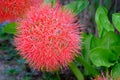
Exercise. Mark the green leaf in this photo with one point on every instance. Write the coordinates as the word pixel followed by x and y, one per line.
pixel 110 39
pixel 102 21
pixel 95 42
pixel 87 45
pixel 10 28
pixel 116 20
pixel 116 49
pixel 77 6
pixel 76 71
pixel 116 72
pixel 102 57
pixel 91 70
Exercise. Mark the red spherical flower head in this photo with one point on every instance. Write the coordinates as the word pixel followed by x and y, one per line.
pixel 48 38
pixel 13 9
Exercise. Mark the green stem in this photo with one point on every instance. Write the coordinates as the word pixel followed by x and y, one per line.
pixel 58 76
pixel 87 66
pixel 76 71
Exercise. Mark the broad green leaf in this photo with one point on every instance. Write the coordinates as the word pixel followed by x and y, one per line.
pixel 95 42
pixel 116 20
pixel 88 67
pixel 102 57
pixel 89 42
pixel 76 71
pixel 116 72
pixel 110 39
pixel 86 49
pixel 87 45
pixel 116 50
pixel 10 28
pixel 102 21
pixel 77 6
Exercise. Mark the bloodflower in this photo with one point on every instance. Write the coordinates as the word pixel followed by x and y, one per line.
pixel 48 38
pixel 14 9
